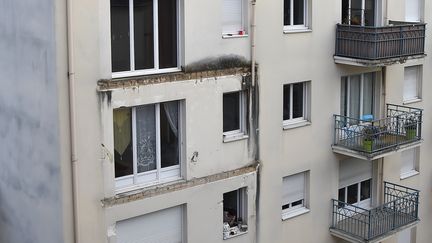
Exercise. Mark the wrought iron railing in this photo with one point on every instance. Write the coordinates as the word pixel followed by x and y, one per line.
pixel 398 40
pixel 400 208
pixel 402 125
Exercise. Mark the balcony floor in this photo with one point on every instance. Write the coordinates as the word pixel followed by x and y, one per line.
pixel 383 145
pixel 348 229
pixel 374 63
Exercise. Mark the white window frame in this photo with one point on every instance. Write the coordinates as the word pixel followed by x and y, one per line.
pixel 306 97
pixel 242 210
pixel 415 163
pixel 366 203
pixel 242 131
pixel 419 79
pixel 156 69
pixel 299 209
pixel 159 175
pixel 305 26
pixel 244 21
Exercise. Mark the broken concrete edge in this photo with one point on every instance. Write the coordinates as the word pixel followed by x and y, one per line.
pixel 105 85
pixel 175 186
pixel 376 63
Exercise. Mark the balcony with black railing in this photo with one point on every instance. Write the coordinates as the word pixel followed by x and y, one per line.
pixel 373 139
pixel 357 224
pixel 379 46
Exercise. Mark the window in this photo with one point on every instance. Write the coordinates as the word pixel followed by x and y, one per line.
pixel 409 165
pixel 144 36
pixel 407 235
pixel 234 213
pixel 360 95
pixel 412 83
pixel 413 10
pixel 234 17
pixel 295 103
pixel 355 182
pixel 165 226
pixel 294 195
pixel 147 142
pixel 358 12
pixel 295 14
pixel 234 114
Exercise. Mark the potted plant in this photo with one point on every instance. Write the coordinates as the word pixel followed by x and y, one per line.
pixel 369 134
pixel 410 125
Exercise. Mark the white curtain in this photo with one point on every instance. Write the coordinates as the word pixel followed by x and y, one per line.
pixel 171 111
pixel 146 138
pixel 368 94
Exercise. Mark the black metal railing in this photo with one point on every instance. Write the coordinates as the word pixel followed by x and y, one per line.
pixel 398 40
pixel 402 125
pixel 400 208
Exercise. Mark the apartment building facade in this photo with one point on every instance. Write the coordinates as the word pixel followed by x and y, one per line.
pixel 174 137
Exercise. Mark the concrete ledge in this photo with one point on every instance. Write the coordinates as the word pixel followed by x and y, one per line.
pixel 174 186
pixel 105 85
pixel 374 63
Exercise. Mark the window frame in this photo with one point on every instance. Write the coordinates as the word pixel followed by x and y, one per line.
pixel 303 207
pixel 305 118
pixel 366 203
pixel 418 82
pixel 155 70
pixel 159 175
pixel 244 21
pixel 376 13
pixel 242 210
pixel 291 27
pixel 242 131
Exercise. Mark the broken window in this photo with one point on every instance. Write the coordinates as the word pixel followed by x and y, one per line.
pixel 234 213
pixel 146 143
pixel 144 36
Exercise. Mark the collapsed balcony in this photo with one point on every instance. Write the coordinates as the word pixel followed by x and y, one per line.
pixel 357 224
pixel 379 46
pixel 373 139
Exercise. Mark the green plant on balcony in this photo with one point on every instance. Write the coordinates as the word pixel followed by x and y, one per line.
pixel 410 125
pixel 369 134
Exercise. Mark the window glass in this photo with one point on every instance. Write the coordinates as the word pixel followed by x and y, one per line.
pixel 299 12
pixel 368 94
pixel 146 138
pixel 287 12
pixel 167 33
pixel 286 102
pixel 143 33
pixel 352 196
pixel 231 111
pixel 169 133
pixel 369 13
pixel 341 194
pixel 123 142
pixel 354 105
pixel 120 42
pixel 297 100
pixel 365 191
pixel 235 212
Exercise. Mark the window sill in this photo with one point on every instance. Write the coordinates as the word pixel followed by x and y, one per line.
pixel 294 213
pixel 232 236
pixel 293 31
pixel 409 174
pixel 292 125
pixel 233 36
pixel 134 189
pixel 234 137
pixel 411 101
pixel 128 74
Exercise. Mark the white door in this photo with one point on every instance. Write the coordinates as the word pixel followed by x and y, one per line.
pixel 164 226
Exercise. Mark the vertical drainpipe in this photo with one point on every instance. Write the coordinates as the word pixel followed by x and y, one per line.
pixel 253 112
pixel 72 116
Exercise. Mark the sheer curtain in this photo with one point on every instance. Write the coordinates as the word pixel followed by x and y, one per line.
pixel 368 94
pixel 171 111
pixel 146 138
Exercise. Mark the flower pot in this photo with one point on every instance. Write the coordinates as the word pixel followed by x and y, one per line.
pixel 367 145
pixel 411 133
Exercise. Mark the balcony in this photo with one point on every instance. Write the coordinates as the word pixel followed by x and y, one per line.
pixel 373 139
pixel 379 46
pixel 356 224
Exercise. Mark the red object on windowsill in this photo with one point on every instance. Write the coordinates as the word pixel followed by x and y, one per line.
pixel 241 32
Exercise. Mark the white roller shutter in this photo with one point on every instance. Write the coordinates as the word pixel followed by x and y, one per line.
pixel 293 188
pixel 404 236
pixel 353 171
pixel 412 10
pixel 159 227
pixel 408 158
pixel 232 20
pixel 410 83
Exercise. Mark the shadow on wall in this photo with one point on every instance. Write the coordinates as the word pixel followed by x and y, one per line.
pixel 217 63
